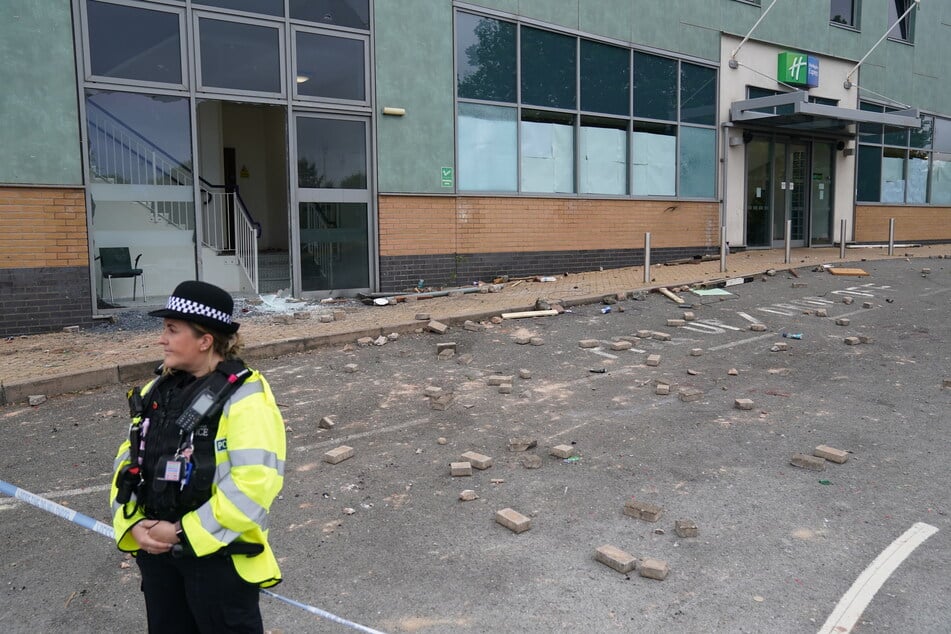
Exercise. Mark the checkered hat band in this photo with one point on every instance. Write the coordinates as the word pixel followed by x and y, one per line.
pixel 189 307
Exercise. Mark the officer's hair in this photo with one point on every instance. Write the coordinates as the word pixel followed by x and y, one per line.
pixel 228 346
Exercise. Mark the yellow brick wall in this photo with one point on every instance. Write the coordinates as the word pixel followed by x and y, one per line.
pixel 42 227
pixel 428 225
pixel 911 223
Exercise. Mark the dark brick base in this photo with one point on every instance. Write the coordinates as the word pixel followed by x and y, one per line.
pixel 403 272
pixel 40 300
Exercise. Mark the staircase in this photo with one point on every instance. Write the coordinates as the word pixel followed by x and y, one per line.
pixel 274 271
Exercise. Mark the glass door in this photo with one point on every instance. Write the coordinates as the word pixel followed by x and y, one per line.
pixel 823 155
pixel 777 190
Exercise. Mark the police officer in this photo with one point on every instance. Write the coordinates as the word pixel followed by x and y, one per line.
pixel 194 482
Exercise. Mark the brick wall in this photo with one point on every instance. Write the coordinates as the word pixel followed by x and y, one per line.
pixel 455 240
pixel 918 224
pixel 44 260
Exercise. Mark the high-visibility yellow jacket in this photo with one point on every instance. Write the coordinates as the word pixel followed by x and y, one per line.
pixel 250 449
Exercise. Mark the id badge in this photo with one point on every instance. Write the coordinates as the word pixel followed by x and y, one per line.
pixel 170 469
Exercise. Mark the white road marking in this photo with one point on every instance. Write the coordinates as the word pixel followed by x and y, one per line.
pixel 374 432
pixel 850 607
pixel 749 318
pixel 930 293
pixel 57 495
pixel 742 341
pixel 603 354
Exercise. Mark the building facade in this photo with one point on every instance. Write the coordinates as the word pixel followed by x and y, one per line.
pixel 335 146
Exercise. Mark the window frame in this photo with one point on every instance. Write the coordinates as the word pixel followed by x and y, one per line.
pixel 856 24
pixel 910 21
pixel 203 91
pixel 178 10
pixel 293 71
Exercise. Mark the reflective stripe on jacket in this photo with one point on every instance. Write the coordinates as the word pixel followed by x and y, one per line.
pixel 250 449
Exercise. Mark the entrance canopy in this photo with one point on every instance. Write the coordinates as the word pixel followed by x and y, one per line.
pixel 793 112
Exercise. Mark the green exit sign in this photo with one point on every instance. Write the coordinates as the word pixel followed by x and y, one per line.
pixel 446 176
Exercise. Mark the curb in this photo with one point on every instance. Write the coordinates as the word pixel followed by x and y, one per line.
pixel 19 392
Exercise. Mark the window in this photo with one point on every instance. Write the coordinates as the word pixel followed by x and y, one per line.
pixel 354 14
pixel 222 43
pixel 544 112
pixel 330 67
pixel 844 12
pixel 134 44
pixel 905 29
pixel 331 153
pixel 266 7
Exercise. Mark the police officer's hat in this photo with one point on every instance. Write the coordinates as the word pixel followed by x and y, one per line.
pixel 201 303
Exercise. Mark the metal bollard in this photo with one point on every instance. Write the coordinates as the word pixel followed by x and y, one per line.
pixel 788 237
pixel 723 249
pixel 842 239
pixel 647 257
pixel 891 236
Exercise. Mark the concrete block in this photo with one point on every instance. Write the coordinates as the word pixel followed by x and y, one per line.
pixel 743 403
pixel 653 360
pixel 423 317
pixel 696 352
pixel 690 394
pixel 445 345
pixel 327 422
pixel 643 510
pixel 478 460
pixel 505 388
pixel 813 463
pixel 437 327
pixel 847 300
pixel 522 444
pixel 589 343
pixel 513 520
pixel 832 455
pixel 689 315
pixel 341 453
pixel 653 569
pixel 644 334
pixel 842 321
pixel 758 327
pixel 676 323
pixel 468 495
pixel 660 336
pixel 537 341
pixel 686 528
pixel 441 402
pixel 460 469
pixel 615 558
pixel 662 389
pixel 852 341
pixel 621 345
pixel 562 451
pixel 350 368
pixel 499 379
pixel 524 374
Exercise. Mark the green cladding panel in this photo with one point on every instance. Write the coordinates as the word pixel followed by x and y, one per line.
pixel 414 71
pixel 39 117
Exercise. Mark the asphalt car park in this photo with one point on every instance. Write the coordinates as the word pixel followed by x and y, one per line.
pixel 383 539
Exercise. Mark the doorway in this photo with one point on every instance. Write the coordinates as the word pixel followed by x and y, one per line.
pixel 792 180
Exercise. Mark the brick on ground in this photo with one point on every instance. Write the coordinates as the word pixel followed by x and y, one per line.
pixel 473 326
pixel 350 368
pixel 843 321
pixel 831 454
pixel 445 345
pixel 524 374
pixel 522 340
pixel 464 359
pixel 460 469
pixel 522 443
pixel 621 345
pixel 616 558
pixel 437 327
pixel 589 343
pixel 498 379
pixel 653 360
pixel 339 454
pixel 468 495
pixel 562 451
pixel 676 323
pixel 686 528
pixel 696 352
pixel 661 336
pixel 505 388
pixel 446 354
pixel 513 520
pixel 758 327
pixel 813 463
pixel 643 510
pixel 689 315
pixel 690 394
pixel 477 460
pixel 653 569
pixel 743 403
pixel 644 334
pixel 662 389
pixel 433 391
pixel 327 422
pixel 423 317
pixel 441 402
pixel 852 341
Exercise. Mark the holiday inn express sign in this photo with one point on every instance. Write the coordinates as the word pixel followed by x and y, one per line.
pixel 798 69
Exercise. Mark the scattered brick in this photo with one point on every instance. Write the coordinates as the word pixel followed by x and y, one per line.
pixel 441 402
pixel 447 345
pixel 441 441
pixel 562 451
pixel 589 343
pixel 946 383
pixel 522 444
pixel 676 323
pixel 531 461
pixel 743 403
pixel 478 460
pixel 644 334
pixel 615 558
pixel 654 568
pixel 505 388
pixel 522 340
pixel 70 328
pixel 780 346
pixel 423 317
pixel 689 315
pixel 842 321
pixel 609 299
pixel 380 341
pixel 643 510
pixel 437 327
pixel 301 314
pixel 653 360
pixel 350 368
pixel 867 304
pixel 621 345
pixel 832 455
pixel 660 336
pixel 865 339
pixel 473 326
pixel 326 318
pixel 733 372
pixel 36 399
pixel 690 394
pixel 468 495
pixel 327 422
pixel 758 327
pixel 847 300
pixel 803 461
pixel 460 469
pixel 537 341
pixel 822 312
pixel 364 341
pixel 662 389
pixel 513 520
pixel 464 359
pixel 339 454
pixel 692 372
pixel 496 320
pixel 499 379
pixel 686 528
pixel 432 391
pixel 852 341
pixel 696 352
pixel 524 374
pixel 446 354
pixel 799 285
pixel 339 315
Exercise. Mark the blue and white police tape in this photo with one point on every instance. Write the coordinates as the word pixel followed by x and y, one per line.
pixel 105 530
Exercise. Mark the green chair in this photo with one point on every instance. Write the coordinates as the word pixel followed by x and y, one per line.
pixel 115 262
